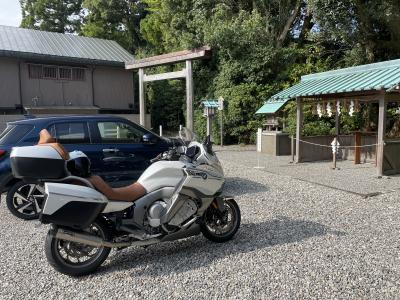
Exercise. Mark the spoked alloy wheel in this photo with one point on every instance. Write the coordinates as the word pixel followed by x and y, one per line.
pixel 221 226
pixel 25 200
pixel 76 259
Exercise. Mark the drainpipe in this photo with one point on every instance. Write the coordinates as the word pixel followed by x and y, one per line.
pixel 93 98
pixel 20 87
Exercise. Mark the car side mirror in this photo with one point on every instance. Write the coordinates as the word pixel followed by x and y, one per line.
pixel 148 138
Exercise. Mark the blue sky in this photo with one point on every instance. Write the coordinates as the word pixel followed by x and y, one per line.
pixel 10 12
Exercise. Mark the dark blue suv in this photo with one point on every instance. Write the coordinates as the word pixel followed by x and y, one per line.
pixel 119 151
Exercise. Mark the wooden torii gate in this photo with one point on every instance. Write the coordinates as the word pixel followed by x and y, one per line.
pixel 170 58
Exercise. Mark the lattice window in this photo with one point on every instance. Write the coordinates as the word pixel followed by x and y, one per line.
pixel 35 71
pixel 78 74
pixel 65 73
pixel 50 72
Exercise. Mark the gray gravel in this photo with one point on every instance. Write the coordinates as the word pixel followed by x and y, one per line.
pixel 359 179
pixel 297 240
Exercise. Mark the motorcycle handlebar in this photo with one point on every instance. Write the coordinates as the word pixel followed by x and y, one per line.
pixel 167 155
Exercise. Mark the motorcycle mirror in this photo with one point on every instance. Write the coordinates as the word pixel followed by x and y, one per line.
pixel 191 151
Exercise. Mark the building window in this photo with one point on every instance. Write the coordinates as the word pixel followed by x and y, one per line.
pixel 65 73
pixel 78 74
pixel 35 71
pixel 49 72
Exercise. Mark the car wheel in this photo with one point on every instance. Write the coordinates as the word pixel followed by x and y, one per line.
pixel 25 200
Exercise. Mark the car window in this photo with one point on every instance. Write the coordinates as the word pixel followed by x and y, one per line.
pixel 119 132
pixel 70 133
pixel 14 133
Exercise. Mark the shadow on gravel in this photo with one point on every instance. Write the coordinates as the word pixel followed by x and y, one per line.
pixel 238 186
pixel 197 252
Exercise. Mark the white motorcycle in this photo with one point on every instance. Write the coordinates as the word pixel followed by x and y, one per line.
pixel 182 197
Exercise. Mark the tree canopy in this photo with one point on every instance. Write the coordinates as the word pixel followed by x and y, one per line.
pixel 259 47
pixel 52 15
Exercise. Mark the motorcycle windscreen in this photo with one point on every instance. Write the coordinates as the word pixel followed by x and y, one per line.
pixel 71 205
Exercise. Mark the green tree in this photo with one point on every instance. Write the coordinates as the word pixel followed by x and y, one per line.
pixel 115 20
pixel 359 31
pixel 250 60
pixel 52 15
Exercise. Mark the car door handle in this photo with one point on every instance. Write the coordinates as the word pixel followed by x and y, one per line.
pixel 112 150
pixel 114 159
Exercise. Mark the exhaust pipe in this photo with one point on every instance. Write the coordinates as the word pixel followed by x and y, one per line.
pixel 183 233
pixel 96 241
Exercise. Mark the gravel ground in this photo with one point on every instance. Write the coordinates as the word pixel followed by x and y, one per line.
pixel 359 179
pixel 297 240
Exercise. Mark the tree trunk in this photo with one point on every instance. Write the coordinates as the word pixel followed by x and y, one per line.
pixel 282 37
pixel 366 30
pixel 307 25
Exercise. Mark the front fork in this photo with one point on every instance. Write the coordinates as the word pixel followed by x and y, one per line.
pixel 218 203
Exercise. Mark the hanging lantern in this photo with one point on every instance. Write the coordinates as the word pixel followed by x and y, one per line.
pixel 338 108
pixel 329 109
pixel 351 108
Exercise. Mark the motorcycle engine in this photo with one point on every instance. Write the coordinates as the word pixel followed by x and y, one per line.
pixel 155 212
pixel 187 210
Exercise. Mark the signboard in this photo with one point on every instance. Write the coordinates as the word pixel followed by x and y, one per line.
pixel 220 103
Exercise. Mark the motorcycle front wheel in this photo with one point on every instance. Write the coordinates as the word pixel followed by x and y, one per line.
pixel 76 259
pixel 220 226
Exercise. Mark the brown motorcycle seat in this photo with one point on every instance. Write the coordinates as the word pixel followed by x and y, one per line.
pixel 45 139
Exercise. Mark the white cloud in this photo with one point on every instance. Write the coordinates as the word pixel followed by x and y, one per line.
pixel 10 12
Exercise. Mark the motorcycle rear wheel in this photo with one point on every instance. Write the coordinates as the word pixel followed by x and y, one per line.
pixel 66 257
pixel 221 227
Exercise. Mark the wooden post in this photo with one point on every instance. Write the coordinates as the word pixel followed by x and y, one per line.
pixel 337 132
pixel 189 95
pixel 357 150
pixel 292 148
pixel 337 125
pixel 222 128
pixel 381 133
pixel 142 105
pixel 299 128
pixel 209 129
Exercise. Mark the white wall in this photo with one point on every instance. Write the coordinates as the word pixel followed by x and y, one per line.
pixel 51 92
pixel 9 83
pixel 113 88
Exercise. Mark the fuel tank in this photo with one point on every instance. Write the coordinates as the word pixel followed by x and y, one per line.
pixel 162 174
